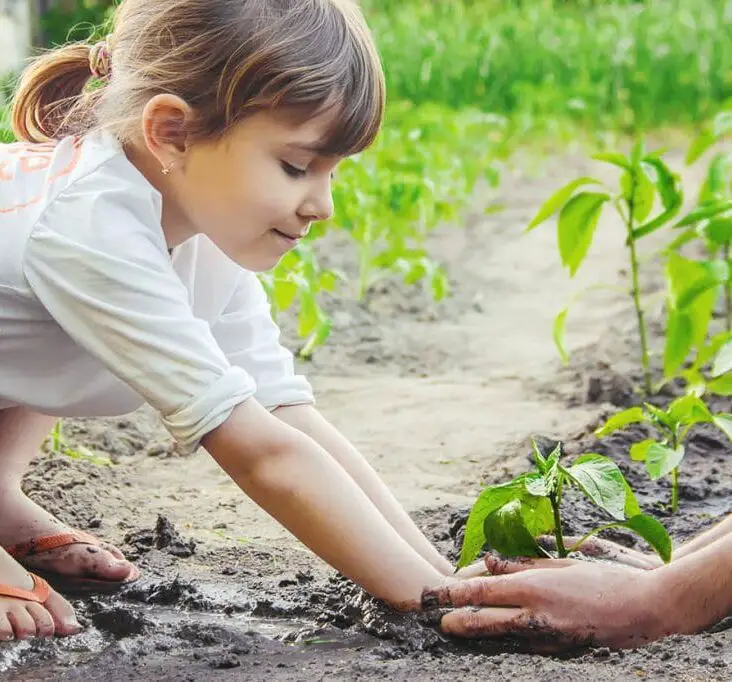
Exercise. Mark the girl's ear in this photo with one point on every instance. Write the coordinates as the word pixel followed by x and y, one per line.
pixel 164 128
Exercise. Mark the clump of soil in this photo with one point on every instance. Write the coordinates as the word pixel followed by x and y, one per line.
pixel 164 537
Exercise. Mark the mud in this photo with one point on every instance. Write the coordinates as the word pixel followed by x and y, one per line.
pixel 226 594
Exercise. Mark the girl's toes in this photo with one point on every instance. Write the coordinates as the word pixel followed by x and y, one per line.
pixel 44 622
pixel 63 616
pixel 24 627
pixel 6 629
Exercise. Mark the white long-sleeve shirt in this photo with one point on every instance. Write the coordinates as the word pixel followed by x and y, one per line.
pixel 97 317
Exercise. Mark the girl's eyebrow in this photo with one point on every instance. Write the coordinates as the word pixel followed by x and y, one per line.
pixel 315 147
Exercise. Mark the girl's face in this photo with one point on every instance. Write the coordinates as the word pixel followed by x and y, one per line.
pixel 255 193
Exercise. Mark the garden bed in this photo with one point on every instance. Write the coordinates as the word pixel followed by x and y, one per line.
pixel 226 594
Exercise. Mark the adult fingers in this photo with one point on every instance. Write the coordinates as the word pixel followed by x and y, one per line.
pixel 486 622
pixel 488 591
pixel 502 566
pixel 535 631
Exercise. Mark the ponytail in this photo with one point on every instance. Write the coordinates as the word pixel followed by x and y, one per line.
pixel 50 101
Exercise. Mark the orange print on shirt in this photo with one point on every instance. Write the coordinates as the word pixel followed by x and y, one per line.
pixel 33 159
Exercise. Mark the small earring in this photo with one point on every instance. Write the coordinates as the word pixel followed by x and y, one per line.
pixel 166 171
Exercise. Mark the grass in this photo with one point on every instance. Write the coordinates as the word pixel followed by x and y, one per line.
pixel 616 65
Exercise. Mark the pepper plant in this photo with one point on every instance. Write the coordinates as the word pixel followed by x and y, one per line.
pixel 645 181
pixel 664 454
pixel 510 517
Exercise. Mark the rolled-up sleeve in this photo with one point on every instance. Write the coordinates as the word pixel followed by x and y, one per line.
pixel 250 338
pixel 97 261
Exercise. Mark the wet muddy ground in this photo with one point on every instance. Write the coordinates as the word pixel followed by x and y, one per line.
pixel 226 594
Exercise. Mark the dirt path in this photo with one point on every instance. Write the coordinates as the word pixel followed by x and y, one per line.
pixel 441 398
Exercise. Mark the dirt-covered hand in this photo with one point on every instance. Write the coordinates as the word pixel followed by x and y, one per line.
pixel 599 548
pixel 553 604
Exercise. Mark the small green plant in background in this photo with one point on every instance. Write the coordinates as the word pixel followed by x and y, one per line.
pixel 645 181
pixel 60 446
pixel 510 517
pixel 664 455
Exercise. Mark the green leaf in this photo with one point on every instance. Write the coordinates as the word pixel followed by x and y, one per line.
pixel 633 415
pixel 602 481
pixel 558 199
pixel 723 421
pixel 723 360
pixel 537 514
pixel 683 275
pixel 539 458
pixel 653 532
pixel 488 501
pixel 506 532
pixel 558 335
pixel 661 459
pixel 699 146
pixel 721 385
pixel 679 338
pixel 704 212
pixel 688 409
pixel 719 231
pixel 639 451
pixel 658 416
pixel 440 284
pixel 577 222
pixel 667 182
pixel 631 503
pixel 614 158
pixel 643 193
pixel 536 485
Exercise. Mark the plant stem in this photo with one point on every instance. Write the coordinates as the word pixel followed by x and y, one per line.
pixel 635 291
pixel 727 294
pixel 675 489
pixel 674 478
pixel 556 500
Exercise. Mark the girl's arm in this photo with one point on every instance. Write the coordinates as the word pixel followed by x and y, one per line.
pixel 308 420
pixel 297 482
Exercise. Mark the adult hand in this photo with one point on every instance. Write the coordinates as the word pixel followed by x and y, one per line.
pixel 554 604
pixel 594 547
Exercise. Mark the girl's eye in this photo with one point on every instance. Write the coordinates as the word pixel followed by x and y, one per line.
pixel 293 171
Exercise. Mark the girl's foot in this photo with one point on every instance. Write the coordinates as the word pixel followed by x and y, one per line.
pixel 22 520
pixel 22 618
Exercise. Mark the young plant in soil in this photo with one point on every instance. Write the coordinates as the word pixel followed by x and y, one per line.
pixel 510 517
pixel 644 178
pixel 664 455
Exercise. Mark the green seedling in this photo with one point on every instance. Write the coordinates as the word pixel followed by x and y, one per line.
pixel 711 220
pixel 510 517
pixel 644 181
pixel 664 455
pixel 60 446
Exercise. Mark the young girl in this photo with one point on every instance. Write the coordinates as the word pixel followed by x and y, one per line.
pixel 133 216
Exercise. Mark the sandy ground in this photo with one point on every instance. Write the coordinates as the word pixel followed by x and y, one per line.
pixel 442 399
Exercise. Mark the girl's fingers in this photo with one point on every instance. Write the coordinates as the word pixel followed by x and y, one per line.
pixel 473 571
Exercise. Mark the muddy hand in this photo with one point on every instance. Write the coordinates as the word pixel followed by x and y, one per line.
pixel 551 604
pixel 599 548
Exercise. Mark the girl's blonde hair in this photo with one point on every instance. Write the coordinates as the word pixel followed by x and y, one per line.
pixel 226 58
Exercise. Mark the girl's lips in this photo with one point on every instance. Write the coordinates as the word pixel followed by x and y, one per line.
pixel 286 237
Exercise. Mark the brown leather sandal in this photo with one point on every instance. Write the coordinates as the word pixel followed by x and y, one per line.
pixel 67 584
